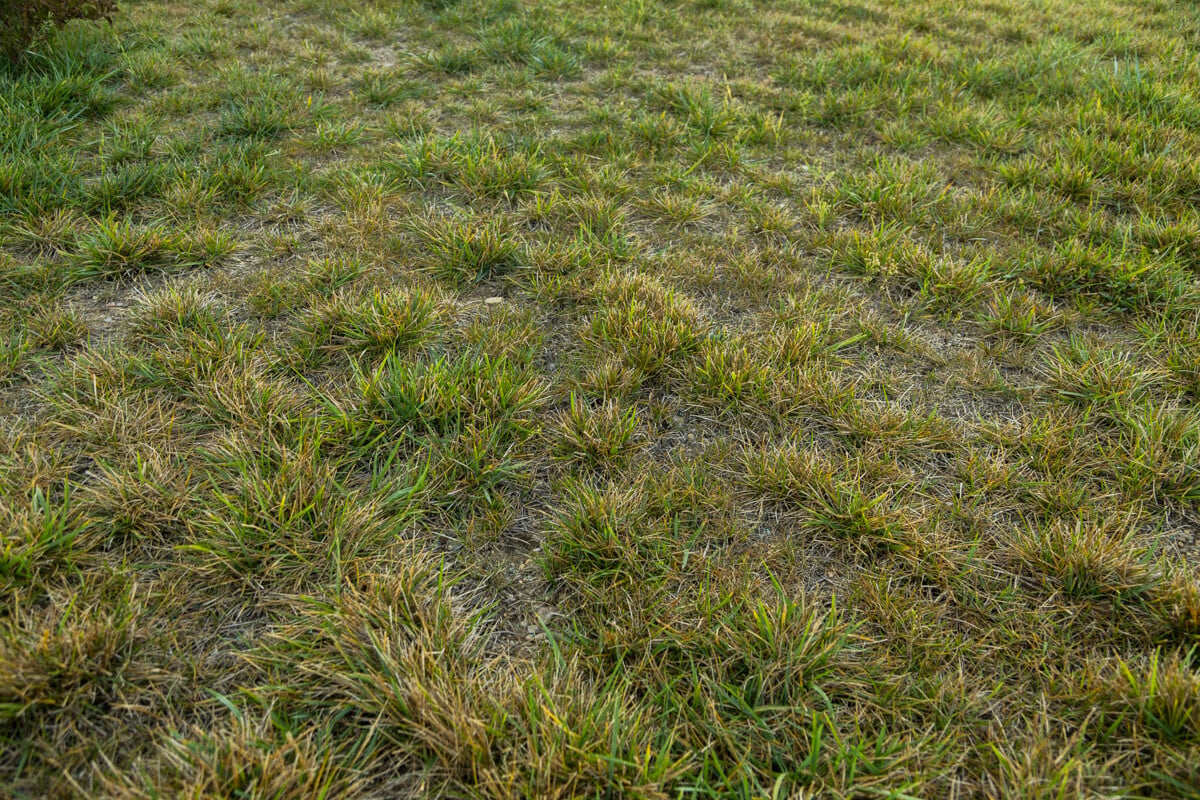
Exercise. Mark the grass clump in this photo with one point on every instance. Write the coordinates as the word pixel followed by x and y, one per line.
pixel 478 165
pixel 599 436
pixel 830 497
pixel 282 519
pixel 373 326
pixel 469 251
pixel 121 249
pixel 646 324
pixel 443 395
pixel 43 534
pixel 1086 559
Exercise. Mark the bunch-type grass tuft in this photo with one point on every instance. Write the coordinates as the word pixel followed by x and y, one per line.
pixel 471 250
pixel 121 249
pixel 443 395
pixel 830 495
pixel 1085 559
pixel 371 326
pixel 598 436
pixel 648 325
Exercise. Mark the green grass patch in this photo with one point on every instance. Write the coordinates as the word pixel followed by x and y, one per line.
pixel 656 400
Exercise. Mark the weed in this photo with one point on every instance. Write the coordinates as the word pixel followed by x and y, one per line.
pixel 255 109
pixel 648 325
pixel 1020 315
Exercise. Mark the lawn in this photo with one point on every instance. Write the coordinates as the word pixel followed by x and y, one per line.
pixel 659 398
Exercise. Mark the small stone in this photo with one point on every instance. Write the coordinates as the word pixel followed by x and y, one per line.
pixel 494 301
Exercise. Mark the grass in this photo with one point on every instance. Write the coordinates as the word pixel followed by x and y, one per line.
pixel 474 398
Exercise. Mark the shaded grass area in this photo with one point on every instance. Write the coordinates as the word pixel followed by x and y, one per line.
pixel 659 399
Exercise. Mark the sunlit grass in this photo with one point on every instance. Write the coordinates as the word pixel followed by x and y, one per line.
pixel 656 399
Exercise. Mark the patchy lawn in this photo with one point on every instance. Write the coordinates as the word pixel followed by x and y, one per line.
pixel 704 398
